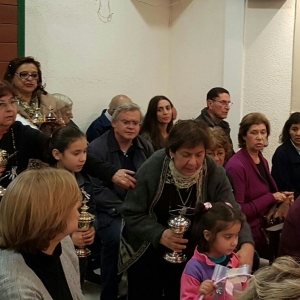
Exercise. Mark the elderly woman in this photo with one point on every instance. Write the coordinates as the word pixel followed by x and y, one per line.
pixel 22 143
pixel 37 256
pixel 286 159
pixel 158 121
pixel 66 111
pixel 255 188
pixel 26 76
pixel 220 148
pixel 170 182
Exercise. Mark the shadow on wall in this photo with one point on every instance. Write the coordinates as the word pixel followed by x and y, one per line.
pixel 181 7
pixel 147 8
pixel 269 4
pixel 262 14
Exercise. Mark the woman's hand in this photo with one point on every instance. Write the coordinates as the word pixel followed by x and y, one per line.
pixel 88 236
pixel 207 287
pixel 289 196
pixel 173 240
pixel 122 178
pixel 78 239
pixel 279 197
pixel 245 254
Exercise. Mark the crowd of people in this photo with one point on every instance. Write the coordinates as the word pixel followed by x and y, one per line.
pixel 141 175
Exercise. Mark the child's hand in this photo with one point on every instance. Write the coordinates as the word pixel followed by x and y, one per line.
pixel 88 236
pixel 207 287
pixel 78 239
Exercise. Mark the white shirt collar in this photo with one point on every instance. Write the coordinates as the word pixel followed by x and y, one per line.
pixel 298 150
pixel 107 115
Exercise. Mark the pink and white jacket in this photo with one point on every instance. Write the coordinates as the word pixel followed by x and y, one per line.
pixel 198 269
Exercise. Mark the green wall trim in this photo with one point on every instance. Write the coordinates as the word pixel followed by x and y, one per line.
pixel 21 28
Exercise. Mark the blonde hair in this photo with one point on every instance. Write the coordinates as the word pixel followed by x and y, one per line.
pixel 279 281
pixel 35 209
pixel 219 139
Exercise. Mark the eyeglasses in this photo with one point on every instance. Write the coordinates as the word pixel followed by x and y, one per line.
pixel 26 75
pixel 14 103
pixel 223 102
pixel 215 153
pixel 133 123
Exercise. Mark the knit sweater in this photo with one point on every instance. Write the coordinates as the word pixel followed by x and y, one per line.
pixel 142 228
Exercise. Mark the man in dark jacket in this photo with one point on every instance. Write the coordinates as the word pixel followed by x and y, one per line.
pixel 103 123
pixel 120 146
pixel 218 106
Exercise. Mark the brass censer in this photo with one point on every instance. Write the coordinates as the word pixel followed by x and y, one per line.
pixel 85 223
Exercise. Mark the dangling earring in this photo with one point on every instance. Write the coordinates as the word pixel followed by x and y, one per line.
pixel 172 157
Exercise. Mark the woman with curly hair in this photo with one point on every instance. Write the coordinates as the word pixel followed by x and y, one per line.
pixel 26 76
pixel 279 281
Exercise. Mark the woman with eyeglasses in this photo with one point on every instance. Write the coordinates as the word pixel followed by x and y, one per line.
pixel 26 76
pixel 255 188
pixel 170 183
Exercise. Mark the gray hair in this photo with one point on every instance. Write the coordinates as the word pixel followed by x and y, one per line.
pixel 279 281
pixel 64 99
pixel 126 107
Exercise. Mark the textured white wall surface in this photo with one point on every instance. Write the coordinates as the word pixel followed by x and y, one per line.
pixel 197 50
pixel 178 51
pixel 269 29
pixel 91 61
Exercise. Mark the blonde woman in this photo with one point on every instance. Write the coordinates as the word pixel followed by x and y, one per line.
pixel 37 258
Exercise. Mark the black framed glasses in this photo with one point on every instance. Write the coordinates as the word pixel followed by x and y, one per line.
pixel 14 103
pixel 26 75
pixel 223 102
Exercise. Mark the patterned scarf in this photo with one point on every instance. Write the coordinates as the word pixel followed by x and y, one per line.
pixel 184 182
pixel 29 108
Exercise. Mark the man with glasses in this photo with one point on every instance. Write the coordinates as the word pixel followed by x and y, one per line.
pixel 121 146
pixel 218 106
pixel 103 123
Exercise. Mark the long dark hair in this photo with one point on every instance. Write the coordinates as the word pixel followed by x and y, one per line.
pixel 61 140
pixel 214 219
pixel 13 66
pixel 150 123
pixel 293 119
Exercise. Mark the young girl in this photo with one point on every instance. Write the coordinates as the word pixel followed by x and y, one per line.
pixel 215 230
pixel 68 151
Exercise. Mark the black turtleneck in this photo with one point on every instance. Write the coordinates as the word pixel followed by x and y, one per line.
pixel 50 271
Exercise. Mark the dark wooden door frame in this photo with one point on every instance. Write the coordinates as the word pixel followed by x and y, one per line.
pixel 21 28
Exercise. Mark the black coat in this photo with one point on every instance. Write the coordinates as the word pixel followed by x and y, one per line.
pixel 286 168
pixel 32 143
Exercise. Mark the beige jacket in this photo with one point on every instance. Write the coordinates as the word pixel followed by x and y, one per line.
pixel 45 102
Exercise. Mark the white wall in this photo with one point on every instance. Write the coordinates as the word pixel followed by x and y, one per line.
pixel 91 61
pixel 181 51
pixel 269 29
pixel 197 50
